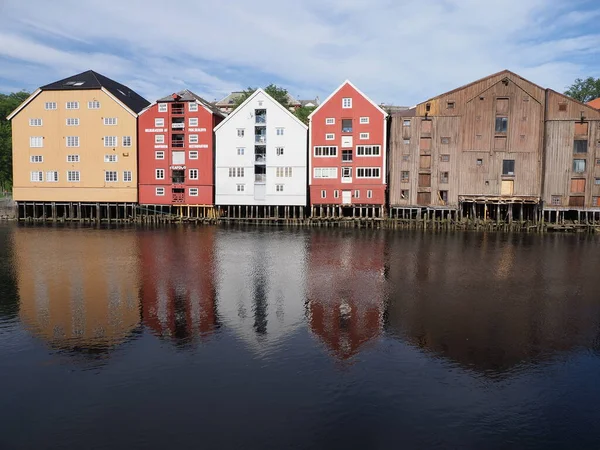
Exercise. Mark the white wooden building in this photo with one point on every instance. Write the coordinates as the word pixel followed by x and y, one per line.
pixel 261 158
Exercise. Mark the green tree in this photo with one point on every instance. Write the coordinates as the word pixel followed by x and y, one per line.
pixel 8 103
pixel 584 90
pixel 278 93
pixel 303 112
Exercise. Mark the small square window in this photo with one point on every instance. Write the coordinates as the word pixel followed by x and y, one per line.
pixel 160 174
pixel 240 187
pixel 159 122
pixel 445 158
pixel 279 187
pixel 162 107
pixel 562 106
pixel 193 191
pixel 329 136
pixel 406 123
pixel 35 122
pixel 193 154
pixel 159 155
pixel 346 125
pixel 346 103
pixel 556 200
pixel 193 138
pixel 364 120
pixel 193 174
pixel 404 194
pixel 479 162
pixel 508 167
pixel 160 191
pixel 193 121
pixel 111 176
pixel 364 136
pixel 159 138
pixel 450 105
pixel 193 106
pixel 501 124
pixel 445 140
pixel 279 131
pixel 110 121
pixel 279 151
pixel 240 132
pixel 240 151
pixel 126 141
pixel 330 121
pixel 50 106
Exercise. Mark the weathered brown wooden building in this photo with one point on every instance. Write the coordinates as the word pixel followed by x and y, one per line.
pixel 476 149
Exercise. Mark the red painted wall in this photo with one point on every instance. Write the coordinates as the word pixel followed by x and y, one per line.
pixel 332 108
pixel 148 162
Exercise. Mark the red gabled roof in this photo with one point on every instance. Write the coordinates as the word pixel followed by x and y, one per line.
pixel 594 103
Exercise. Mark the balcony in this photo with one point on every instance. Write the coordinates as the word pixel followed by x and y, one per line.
pixel 261 116
pixel 178 124
pixel 260 178
pixel 260 139
pixel 177 109
pixel 178 195
pixel 260 154
pixel 178 141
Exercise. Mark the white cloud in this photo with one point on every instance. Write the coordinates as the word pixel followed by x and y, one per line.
pixel 401 52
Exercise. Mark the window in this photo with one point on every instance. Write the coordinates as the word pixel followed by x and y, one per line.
pixel 501 124
pixel 160 191
pixel 72 141
pixel 240 132
pixel 329 137
pixel 450 105
pixel 110 141
pixel 479 162
pixel 405 157
pixel 508 167
pixel 159 138
pixel 346 103
pixel 110 121
pixel 347 155
pixel 73 176
pixel 236 172
pixel 111 176
pixel 240 151
pixel 325 151
pixel 406 141
pixel 193 138
pixel 364 136
pixel 367 172
pixel 193 106
pixel 193 121
pixel 443 195
pixel 193 191
pixel 240 187
pixel 94 104
pixel 283 172
pixel 72 122
pixel 562 107
pixel 279 151
pixel 279 131
pixel 404 194
pixel 160 174
pixel 369 193
pixel 72 105
pixel 127 176
pixel 346 172
pixel 445 140
pixel 110 158
pixel 279 187
pixel 52 176
pixel 444 176
pixel 336 194
pixel 580 146
pixel 72 158
pixel 445 158
pixel 346 125
pixel 159 122
pixel 36 142
pixel 364 120
pixel 193 154
pixel 159 155
pixel 579 165
pixel 37 176
pixel 193 174
pixel 50 106
pixel 357 194
pixel 555 200
pixel 404 176
pixel 368 150
pixel 323 194
pixel 35 122
pixel 597 181
pixel 598 162
pixel 162 107
pixel 126 141
pixel 36 159
pixel 330 121
pixel 325 172
pixel 406 123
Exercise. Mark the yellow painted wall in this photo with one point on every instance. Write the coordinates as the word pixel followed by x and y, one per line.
pixel 91 150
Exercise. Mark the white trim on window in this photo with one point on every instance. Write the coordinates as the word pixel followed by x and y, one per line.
pixel 363 136
pixel 160 154
pixel 368 172
pixel 73 176
pixel 110 121
pixel 52 176
pixel 159 174
pixel 159 122
pixel 72 121
pixel 111 176
pixel 193 138
pixel 330 121
pixel 95 104
pixel 159 138
pixel 36 176
pixel 193 154
pixel 159 191
pixel 36 159
pixel 193 121
pixel 50 106
pixel 364 120
pixel 72 141
pixel 193 107
pixel 346 102
pixel 330 136
pixel 111 158
pixel 73 158
pixel 126 141
pixel 368 150
pixel 72 105
pixel 36 142
pixel 110 141
pixel 325 172
pixel 163 108
pixel 193 174
pixel 193 192
pixel 35 122
pixel 325 151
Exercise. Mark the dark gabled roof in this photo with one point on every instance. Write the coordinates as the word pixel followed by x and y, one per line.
pixel 188 96
pixel 93 80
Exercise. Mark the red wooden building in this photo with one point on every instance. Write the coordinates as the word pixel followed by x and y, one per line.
pixel 347 164
pixel 176 152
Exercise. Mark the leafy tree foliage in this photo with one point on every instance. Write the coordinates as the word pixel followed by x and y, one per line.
pixel 8 103
pixel 584 90
pixel 303 112
pixel 278 93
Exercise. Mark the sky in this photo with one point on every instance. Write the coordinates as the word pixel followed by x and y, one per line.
pixel 399 52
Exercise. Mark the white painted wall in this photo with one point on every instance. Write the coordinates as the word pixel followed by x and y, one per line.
pixel 294 142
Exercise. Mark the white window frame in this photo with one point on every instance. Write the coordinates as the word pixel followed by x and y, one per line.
pixel 240 187
pixel 35 122
pixel 356 193
pixel 347 103
pixel 330 121
pixel 368 151
pixel 108 174
pixel 193 174
pixel 363 136
pixel 159 174
pixel 36 159
pixel 94 104
pixel 36 176
pixel 279 151
pixel 127 176
pixel 332 151
pixel 110 139
pixel 52 176
pixel 111 158
pixel 163 108
pixel 192 107
pixel 364 120
pixel 236 172
pixel 241 151
pixel 279 131
pixel 369 193
pixel 279 188
pixel 193 122
pixel 74 158
pixel 36 142
pixel 50 106
pixel 330 137
pixel 159 138
pixel 329 172
pixel 336 193
pixel 159 154
pixel 73 176
pixel 110 121
pixel 72 121
pixel 126 141
pixel 193 138
pixel 72 105
pixel 159 122
pixel 241 132
pixel 159 192
pixel 364 172
pixel 193 192
pixel 193 154
pixel 72 141
pixel 323 193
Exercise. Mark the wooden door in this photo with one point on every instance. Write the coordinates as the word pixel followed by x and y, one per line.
pixel 507 188
pixel 346 197
pixel 424 180
pixel 577 201
pixel 578 185
pixel 425 162
pixel 423 198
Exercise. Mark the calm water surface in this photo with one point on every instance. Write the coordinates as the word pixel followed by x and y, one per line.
pixel 207 337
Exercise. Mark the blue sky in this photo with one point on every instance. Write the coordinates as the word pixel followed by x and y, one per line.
pixel 396 51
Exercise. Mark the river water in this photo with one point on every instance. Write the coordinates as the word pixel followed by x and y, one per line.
pixel 206 337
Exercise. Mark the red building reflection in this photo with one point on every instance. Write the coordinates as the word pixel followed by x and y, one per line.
pixel 178 288
pixel 346 289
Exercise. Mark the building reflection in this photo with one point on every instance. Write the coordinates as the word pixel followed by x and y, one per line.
pixel 346 289
pixel 78 288
pixel 491 303
pixel 261 285
pixel 9 298
pixel 178 287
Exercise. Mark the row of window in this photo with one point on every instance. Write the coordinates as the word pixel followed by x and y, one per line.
pixel 332 172
pixel 70 158
pixel 331 121
pixel 160 139
pixel 361 150
pixel 159 122
pixel 279 131
pixel 160 154
pixel 50 106
pixel 280 172
pixel 163 107
pixel 73 141
pixel 336 193
pixel 73 176
pixel 331 136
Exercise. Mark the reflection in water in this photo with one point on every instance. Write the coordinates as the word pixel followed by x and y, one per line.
pixel 9 299
pixel 492 302
pixel 346 289
pixel 77 288
pixel 178 292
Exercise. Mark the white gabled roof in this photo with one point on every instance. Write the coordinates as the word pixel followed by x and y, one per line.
pixel 357 90
pixel 254 94
pixel 24 104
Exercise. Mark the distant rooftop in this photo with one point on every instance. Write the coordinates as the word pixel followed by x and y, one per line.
pixel 595 103
pixel 188 96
